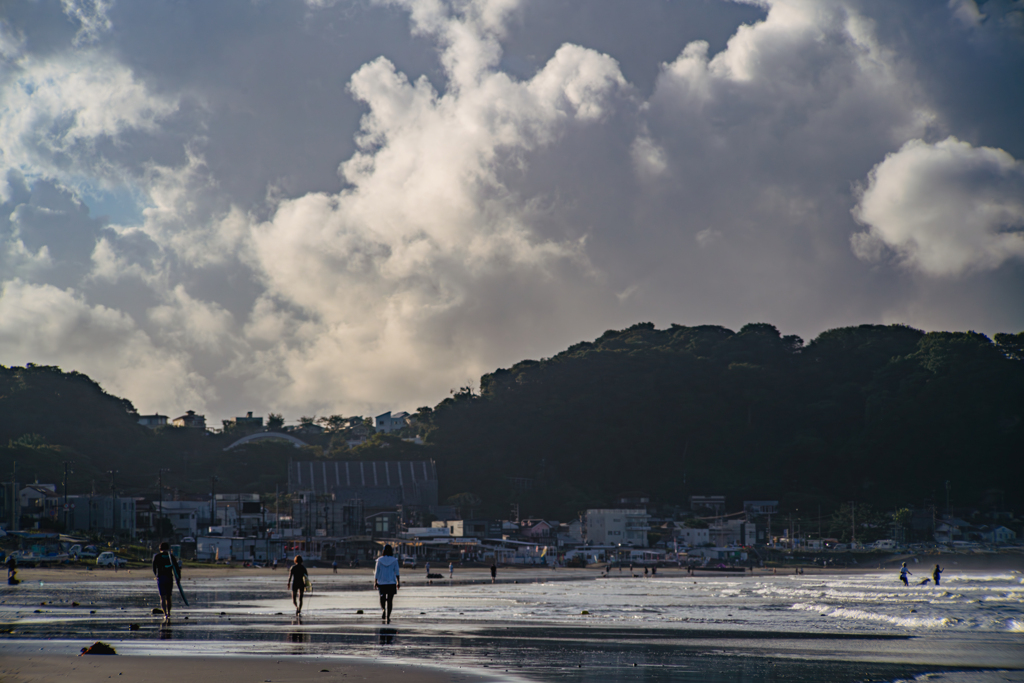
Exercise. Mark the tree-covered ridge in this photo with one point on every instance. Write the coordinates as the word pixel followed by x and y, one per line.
pixel 880 415
pixel 884 414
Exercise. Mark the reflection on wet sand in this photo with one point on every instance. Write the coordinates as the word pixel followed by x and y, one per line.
pixel 386 636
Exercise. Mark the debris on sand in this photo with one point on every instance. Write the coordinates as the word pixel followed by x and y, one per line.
pixel 98 648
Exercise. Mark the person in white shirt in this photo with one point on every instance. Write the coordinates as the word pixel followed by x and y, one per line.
pixel 386 581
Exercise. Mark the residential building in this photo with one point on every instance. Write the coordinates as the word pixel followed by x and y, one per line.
pixel 40 502
pixel 469 528
pixel 247 422
pixel 102 514
pixel 712 505
pixel 191 420
pixel 613 527
pixel 998 535
pixel 387 423
pixel 733 532
pixel 153 421
pixel 531 529
pixel 691 537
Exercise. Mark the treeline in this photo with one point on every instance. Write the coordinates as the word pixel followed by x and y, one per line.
pixel 880 415
pixel 884 415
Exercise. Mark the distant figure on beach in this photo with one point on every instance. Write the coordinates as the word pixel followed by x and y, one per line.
pixel 654 572
pixel 631 569
pixel 274 566
pixel 12 566
pixel 334 565
pixel 297 577
pixel 936 573
pixel 645 572
pixel 904 573
pixel 451 570
pixel 386 581
pixel 494 571
pixel 164 566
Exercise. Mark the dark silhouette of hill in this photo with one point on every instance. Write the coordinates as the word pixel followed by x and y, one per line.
pixel 883 415
pixel 876 414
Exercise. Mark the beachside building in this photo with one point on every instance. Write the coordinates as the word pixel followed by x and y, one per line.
pixel 614 527
pixel 40 502
pixel 690 537
pixel 102 514
pixel 998 535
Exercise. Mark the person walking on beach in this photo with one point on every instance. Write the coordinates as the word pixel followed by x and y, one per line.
pixel 386 581
pixel 165 565
pixel 12 569
pixel 494 570
pixel 936 573
pixel 297 577
pixel 334 565
pixel 904 573
pixel 451 570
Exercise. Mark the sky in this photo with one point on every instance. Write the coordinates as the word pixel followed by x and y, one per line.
pixel 354 206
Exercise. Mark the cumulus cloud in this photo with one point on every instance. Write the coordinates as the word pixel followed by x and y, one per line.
pixel 403 194
pixel 944 208
pixel 49 326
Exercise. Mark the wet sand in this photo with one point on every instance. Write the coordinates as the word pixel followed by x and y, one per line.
pixel 23 668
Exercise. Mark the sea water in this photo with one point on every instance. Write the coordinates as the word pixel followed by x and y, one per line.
pixel 849 626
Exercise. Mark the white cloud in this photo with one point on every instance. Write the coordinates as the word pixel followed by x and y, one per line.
pixel 54 110
pixel 49 326
pixel 944 209
pixel 92 17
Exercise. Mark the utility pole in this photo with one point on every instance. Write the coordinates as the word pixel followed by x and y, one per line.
pixel 160 485
pixel 15 503
pixel 947 499
pixel 213 501
pixel 853 525
pixel 113 502
pixel 66 463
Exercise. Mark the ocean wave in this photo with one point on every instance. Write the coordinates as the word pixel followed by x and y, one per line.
pixel 862 615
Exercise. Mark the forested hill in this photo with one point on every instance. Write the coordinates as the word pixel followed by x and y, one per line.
pixel 876 414
pixel 884 415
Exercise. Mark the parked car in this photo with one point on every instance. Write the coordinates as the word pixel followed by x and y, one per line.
pixel 109 559
pixel 89 552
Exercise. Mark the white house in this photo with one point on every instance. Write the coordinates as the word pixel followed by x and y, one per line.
pixel 998 535
pixel 387 423
pixel 614 527
pixel 40 501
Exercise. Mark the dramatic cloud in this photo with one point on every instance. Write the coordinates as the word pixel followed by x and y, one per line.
pixel 944 208
pixel 357 205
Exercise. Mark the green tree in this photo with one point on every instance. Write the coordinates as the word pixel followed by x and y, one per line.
pixel 275 422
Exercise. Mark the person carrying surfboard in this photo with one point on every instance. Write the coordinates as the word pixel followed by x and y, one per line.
pixel 167 570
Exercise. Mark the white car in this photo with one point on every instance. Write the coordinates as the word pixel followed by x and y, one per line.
pixel 109 559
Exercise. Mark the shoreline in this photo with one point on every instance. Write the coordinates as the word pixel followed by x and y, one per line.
pixel 506 575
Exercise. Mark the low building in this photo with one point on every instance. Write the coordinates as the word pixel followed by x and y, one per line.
pixel 998 535
pixel 153 421
pixel 469 528
pixel 387 423
pixel 614 527
pixel 102 514
pixel 193 421
pixel 691 537
pixel 40 502
pixel 247 422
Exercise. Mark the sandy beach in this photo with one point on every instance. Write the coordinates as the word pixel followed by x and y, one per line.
pixel 24 668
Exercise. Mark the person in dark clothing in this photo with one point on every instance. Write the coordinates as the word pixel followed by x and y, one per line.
pixel 164 566
pixel 12 569
pixel 297 578
pixel 494 571
pixel 936 573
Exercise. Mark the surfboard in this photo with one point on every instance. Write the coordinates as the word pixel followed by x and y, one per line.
pixel 177 581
